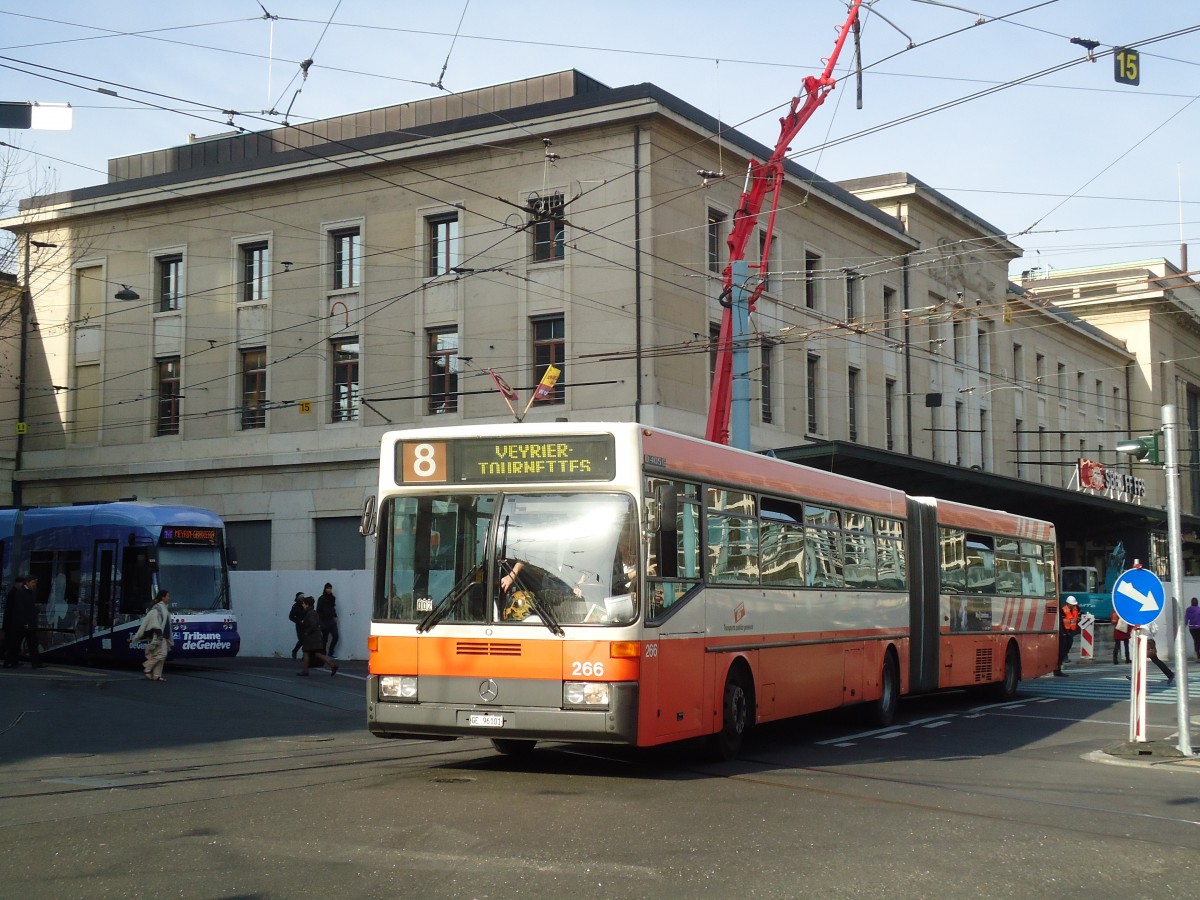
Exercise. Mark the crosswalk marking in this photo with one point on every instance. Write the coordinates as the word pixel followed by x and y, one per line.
pixel 1105 687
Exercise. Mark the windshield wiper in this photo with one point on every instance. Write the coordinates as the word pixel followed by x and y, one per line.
pixel 447 603
pixel 548 618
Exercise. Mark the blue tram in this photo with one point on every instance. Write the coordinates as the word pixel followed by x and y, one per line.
pixel 98 566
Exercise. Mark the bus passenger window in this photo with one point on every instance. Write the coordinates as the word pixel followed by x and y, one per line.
pixel 981 565
pixel 954 560
pixel 859 543
pixel 890 553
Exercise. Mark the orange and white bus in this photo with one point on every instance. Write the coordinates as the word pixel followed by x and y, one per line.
pixel 619 583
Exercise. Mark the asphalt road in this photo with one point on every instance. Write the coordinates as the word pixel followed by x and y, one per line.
pixel 237 780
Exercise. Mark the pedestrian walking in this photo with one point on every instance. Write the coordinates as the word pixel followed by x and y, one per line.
pixel 1068 627
pixel 20 624
pixel 1191 618
pixel 1121 631
pixel 156 631
pixel 1152 653
pixel 328 617
pixel 296 617
pixel 312 640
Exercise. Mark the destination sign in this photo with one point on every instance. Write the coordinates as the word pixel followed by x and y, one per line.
pixel 187 534
pixel 505 460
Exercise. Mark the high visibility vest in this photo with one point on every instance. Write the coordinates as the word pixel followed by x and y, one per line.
pixel 1071 618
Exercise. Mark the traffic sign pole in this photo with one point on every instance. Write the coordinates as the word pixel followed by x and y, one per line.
pixel 1137 690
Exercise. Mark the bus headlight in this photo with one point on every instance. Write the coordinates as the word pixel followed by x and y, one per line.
pixel 586 694
pixel 398 687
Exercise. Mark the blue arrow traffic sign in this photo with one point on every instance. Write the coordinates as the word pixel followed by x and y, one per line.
pixel 1138 596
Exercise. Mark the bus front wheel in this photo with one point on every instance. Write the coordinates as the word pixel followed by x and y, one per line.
pixel 735 718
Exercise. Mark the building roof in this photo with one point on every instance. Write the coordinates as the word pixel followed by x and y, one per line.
pixel 556 94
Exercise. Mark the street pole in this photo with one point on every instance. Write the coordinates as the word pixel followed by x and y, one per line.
pixel 1175 542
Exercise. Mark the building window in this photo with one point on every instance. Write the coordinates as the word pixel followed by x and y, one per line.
pixel 958 336
pixel 168 396
pixel 254 388
pixel 170 282
pixel 549 228
pixel 1019 441
pixel 714 344
pixel 811 370
pixel 852 290
pixel 852 403
pixel 889 412
pixel 345 380
pixel 768 415
pixel 443 371
pixel 766 262
pixel 347 258
pixel 1039 370
pixel 255 272
pixel 889 310
pixel 985 439
pixel 959 425
pixel 549 345
pixel 714 234
pixel 812 267
pixel 339 544
pixel 250 544
pixel 442 234
pixel 1018 365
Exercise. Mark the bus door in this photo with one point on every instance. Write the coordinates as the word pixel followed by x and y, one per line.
pixel 104 576
pixel 673 678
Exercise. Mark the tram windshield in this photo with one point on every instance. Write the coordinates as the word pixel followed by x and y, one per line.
pixel 543 560
pixel 194 576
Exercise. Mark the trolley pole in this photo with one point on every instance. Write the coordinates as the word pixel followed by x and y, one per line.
pixel 1175 542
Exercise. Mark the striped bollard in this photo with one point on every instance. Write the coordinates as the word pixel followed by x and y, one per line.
pixel 1087 630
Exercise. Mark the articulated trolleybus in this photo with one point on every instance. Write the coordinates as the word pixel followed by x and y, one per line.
pixel 618 583
pixel 98 567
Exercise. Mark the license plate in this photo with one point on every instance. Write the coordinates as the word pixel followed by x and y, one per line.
pixel 485 721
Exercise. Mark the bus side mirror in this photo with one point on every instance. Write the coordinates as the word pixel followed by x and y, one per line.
pixel 366 525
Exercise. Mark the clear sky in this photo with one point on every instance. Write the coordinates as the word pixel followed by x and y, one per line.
pixel 1077 169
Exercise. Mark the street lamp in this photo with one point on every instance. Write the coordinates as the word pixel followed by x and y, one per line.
pixel 126 293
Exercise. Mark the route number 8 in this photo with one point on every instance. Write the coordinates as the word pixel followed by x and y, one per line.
pixel 424 462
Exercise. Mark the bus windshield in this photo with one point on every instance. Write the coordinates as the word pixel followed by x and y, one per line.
pixel 194 577
pixel 519 559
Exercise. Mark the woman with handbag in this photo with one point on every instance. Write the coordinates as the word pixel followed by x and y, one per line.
pixel 156 630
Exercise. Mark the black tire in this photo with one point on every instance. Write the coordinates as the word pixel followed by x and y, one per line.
pixel 1007 688
pixel 882 712
pixel 736 718
pixel 513 746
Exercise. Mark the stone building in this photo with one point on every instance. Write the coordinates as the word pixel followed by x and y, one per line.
pixel 240 318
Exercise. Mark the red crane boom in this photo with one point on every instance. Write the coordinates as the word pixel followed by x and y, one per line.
pixel 763 180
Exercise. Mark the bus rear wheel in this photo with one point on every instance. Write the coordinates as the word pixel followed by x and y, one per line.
pixel 1007 688
pixel 882 711
pixel 513 746
pixel 726 744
